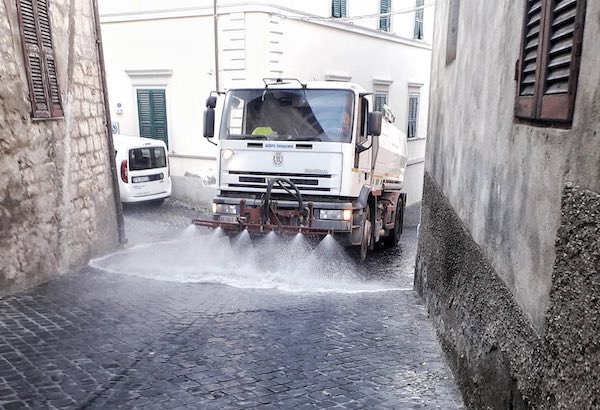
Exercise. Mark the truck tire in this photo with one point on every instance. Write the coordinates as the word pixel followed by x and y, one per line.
pixel 366 235
pixel 394 237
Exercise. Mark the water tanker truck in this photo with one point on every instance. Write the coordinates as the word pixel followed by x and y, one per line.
pixel 314 158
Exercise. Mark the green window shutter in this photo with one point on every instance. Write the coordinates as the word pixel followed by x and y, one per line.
pixel 159 112
pixel 145 113
pixel 336 8
pixel 419 14
pixel 380 101
pixel 413 112
pixel 152 113
pixel 385 6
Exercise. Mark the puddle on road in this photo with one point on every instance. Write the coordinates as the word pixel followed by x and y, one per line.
pixel 291 264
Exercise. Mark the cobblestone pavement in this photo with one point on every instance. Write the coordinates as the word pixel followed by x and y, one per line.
pixel 93 339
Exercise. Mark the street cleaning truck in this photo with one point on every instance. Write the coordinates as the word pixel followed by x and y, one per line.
pixel 312 158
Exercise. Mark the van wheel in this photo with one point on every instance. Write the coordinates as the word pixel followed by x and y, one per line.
pixel 394 237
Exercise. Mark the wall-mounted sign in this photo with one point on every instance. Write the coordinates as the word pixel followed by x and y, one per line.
pixel 115 128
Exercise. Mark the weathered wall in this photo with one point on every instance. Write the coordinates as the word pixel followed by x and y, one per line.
pixel 515 308
pixel 56 199
pixel 498 358
pixel 505 180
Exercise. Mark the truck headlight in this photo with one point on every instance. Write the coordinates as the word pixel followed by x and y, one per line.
pixel 224 209
pixel 335 214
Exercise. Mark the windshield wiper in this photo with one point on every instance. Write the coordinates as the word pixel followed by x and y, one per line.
pixel 307 139
pixel 296 138
pixel 246 137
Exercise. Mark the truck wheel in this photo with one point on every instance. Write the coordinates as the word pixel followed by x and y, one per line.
pixel 394 237
pixel 366 235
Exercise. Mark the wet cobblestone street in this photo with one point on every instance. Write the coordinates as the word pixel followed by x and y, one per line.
pixel 95 339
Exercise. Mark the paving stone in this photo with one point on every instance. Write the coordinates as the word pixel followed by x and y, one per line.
pixel 92 339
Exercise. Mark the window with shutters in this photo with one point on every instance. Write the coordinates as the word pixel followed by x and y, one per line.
pixel 413 115
pixel 385 8
pixel 152 114
pixel 548 69
pixel 419 34
pixel 38 50
pixel 338 8
pixel 381 99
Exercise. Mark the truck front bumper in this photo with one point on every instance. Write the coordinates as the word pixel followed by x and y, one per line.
pixel 334 218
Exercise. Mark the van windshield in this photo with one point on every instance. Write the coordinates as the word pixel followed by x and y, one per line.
pixel 147 158
pixel 288 115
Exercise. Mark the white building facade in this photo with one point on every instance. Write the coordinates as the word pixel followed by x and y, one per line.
pixel 160 61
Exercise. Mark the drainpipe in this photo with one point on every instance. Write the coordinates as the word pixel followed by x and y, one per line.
pixel 216 34
pixel 108 123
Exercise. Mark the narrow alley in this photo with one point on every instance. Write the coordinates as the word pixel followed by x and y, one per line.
pixel 95 339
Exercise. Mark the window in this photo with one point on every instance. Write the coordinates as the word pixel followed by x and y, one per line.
pixel 381 99
pixel 338 8
pixel 288 115
pixel 549 65
pixel 385 8
pixel 413 115
pixel 38 50
pixel 147 158
pixel 418 35
pixel 452 35
pixel 152 113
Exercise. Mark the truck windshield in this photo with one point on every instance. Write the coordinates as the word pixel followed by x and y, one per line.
pixel 288 115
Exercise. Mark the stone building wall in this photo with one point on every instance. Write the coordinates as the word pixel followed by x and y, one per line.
pixel 57 207
pixel 508 261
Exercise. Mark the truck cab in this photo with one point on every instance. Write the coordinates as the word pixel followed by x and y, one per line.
pixel 318 148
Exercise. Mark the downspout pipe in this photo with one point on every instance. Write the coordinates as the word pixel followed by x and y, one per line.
pixel 108 123
pixel 216 35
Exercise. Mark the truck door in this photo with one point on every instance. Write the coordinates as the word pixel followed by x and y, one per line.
pixel 362 161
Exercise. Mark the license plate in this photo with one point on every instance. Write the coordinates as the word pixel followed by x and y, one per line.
pixel 233 219
pixel 140 179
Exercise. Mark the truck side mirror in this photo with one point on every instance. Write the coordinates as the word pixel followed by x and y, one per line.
pixel 209 117
pixel 209 123
pixel 374 123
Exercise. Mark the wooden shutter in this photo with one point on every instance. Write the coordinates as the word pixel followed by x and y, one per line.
pixel 145 113
pixel 549 64
pixel 564 40
pixel 419 13
pixel 385 6
pixel 336 8
pixel 532 32
pixel 38 51
pixel 413 110
pixel 380 101
pixel 48 54
pixel 159 113
pixel 152 114
pixel 33 59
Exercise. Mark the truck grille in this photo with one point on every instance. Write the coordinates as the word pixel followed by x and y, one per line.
pixel 259 180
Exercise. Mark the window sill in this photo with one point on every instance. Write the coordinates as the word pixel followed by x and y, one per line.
pixel 37 119
pixel 543 124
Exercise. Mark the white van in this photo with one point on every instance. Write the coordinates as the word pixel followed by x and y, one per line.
pixel 143 167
